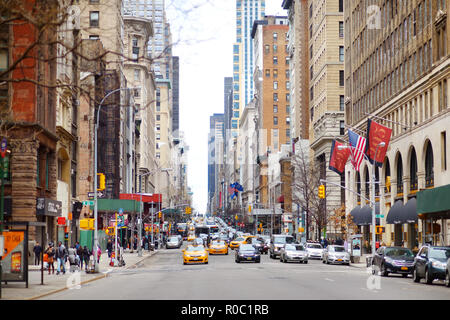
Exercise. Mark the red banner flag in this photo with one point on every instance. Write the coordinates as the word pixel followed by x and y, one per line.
pixel 376 134
pixel 338 158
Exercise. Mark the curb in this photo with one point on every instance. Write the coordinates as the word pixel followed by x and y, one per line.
pixel 89 280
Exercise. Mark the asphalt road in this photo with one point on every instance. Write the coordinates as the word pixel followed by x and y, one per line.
pixel 164 277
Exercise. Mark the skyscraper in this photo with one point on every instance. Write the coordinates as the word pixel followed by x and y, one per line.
pixel 247 11
pixel 176 95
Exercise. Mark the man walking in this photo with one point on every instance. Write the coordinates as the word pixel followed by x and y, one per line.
pixel 109 247
pixel 37 253
pixel 61 255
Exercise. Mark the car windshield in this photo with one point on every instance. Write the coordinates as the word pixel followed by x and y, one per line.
pixel 196 248
pixel 174 239
pixel 283 240
pixel 314 246
pixel 246 247
pixel 398 252
pixel 337 249
pixel 239 239
pixel 294 247
pixel 218 243
pixel 440 253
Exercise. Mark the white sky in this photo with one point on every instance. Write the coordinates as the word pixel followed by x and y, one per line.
pixel 203 32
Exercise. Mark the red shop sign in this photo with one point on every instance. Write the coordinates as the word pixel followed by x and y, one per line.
pixel 61 221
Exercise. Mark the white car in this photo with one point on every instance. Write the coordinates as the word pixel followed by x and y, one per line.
pixel 336 254
pixel 314 250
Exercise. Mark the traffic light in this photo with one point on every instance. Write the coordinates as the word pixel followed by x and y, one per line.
pixel 188 210
pixel 379 229
pixel 101 182
pixel 159 214
pixel 322 191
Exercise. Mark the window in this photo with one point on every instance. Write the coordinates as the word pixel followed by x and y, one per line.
pixel 275 36
pixel 341 78
pixel 275 73
pixel 275 85
pixel 288 97
pixel 158 127
pixel 137 93
pixel 158 117
pixel 288 120
pixel 341 29
pixel 288 109
pixel 268 73
pixel 287 61
pixel 135 49
pixel 288 133
pixel 288 85
pixel 137 74
pixel 94 37
pixel 287 74
pixel 275 121
pixel 311 93
pixel 94 18
pixel 429 167
pixel 266 49
pixel 341 103
pixel 311 72
pixel 275 108
pixel 341 5
pixel 275 60
pixel 341 128
pixel 158 155
pixel 275 97
pixel 341 53
pixel 158 136
pixel 443 150
pixel 275 48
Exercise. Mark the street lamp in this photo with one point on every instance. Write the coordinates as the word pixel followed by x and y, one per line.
pixel 140 207
pixel 372 198
pixel 96 268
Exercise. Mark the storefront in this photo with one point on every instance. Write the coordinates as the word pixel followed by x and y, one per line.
pixel 405 221
pixel 47 210
pixel 362 217
pixel 433 209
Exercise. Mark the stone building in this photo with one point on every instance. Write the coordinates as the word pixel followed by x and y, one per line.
pixel 397 71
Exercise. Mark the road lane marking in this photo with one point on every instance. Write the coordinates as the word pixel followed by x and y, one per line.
pixel 329 279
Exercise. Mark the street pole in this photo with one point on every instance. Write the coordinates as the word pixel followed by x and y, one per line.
pixel 152 213
pixel 140 222
pixel 115 244
pixel 382 144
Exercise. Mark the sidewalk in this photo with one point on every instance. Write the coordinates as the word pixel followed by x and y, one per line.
pixel 362 262
pixel 54 283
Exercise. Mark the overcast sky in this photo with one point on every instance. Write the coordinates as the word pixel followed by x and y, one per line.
pixel 203 33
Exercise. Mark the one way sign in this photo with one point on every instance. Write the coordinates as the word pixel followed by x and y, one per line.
pixel 100 194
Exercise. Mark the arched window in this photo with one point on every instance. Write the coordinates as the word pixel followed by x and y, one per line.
pixel 399 174
pixel 367 182
pixel 377 181
pixel 358 185
pixel 429 167
pixel 387 181
pixel 413 171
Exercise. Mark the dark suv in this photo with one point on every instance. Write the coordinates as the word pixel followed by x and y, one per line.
pixel 431 263
pixel 393 260
pixel 277 241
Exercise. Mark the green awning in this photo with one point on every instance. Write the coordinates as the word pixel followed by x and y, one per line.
pixel 113 205
pixel 434 200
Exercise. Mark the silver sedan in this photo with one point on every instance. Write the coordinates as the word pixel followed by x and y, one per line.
pixel 293 252
pixel 336 254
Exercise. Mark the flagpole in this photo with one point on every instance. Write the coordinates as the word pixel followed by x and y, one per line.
pixel 395 122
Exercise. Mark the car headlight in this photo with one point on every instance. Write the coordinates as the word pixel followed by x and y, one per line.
pixel 439 264
pixel 388 260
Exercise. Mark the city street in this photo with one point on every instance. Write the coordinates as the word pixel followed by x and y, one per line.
pixel 164 277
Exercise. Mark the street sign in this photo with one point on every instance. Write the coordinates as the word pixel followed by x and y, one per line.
pixel 379 216
pixel 88 203
pixel 100 194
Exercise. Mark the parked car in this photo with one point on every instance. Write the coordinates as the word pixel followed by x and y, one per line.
pixel 431 263
pixel 314 250
pixel 277 241
pixel 447 274
pixel 173 242
pixel 293 252
pixel 246 252
pixel 335 254
pixel 393 260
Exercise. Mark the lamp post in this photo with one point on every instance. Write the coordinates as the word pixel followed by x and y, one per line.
pixel 96 268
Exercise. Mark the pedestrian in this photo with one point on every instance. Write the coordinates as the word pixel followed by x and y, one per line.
pixel 86 257
pixel 80 256
pixel 50 251
pixel 37 253
pixel 109 248
pixel 99 253
pixel 61 255
pixel 77 245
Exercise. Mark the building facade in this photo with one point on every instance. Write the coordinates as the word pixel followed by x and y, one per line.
pixel 397 72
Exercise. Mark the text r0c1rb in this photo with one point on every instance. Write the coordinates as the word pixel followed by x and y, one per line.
pixel 246 309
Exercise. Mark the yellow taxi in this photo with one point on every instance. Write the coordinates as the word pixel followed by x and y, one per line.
pixel 238 241
pixel 218 247
pixel 195 254
pixel 191 237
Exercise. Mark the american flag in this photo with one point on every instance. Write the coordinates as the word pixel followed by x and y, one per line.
pixel 358 147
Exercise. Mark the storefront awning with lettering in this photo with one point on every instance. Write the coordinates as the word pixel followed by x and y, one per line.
pixel 435 201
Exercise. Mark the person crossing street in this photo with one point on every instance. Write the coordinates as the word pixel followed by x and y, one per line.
pixel 61 256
